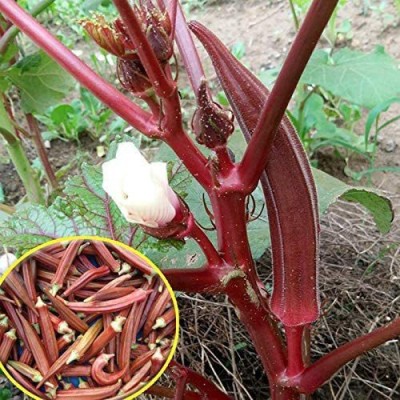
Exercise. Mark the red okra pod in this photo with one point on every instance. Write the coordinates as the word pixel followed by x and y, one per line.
pixel 66 313
pixel 105 337
pixel 15 321
pixel 128 336
pixel 7 345
pixel 59 325
pixel 65 340
pixel 132 259
pixel 4 324
pixel 158 307
pixel 33 374
pixel 100 376
pixel 87 277
pixel 36 346
pixel 110 294
pixel 47 330
pixel 16 283
pixel 47 261
pixel 141 360
pixel 288 186
pixel 64 265
pixel 113 284
pixel 136 379
pixel 105 392
pixel 106 257
pixel 29 274
pixel 110 305
pixel 60 363
pixel 165 319
pixel 26 383
pixel 26 357
pixel 77 370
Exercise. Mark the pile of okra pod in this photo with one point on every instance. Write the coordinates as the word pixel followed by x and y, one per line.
pixel 84 320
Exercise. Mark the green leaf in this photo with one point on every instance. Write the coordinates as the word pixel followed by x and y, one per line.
pixel 331 189
pixel 366 79
pixel 87 202
pixel 42 82
pixel 84 209
pixel 33 225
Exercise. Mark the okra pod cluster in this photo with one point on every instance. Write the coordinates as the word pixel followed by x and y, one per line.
pixel 85 319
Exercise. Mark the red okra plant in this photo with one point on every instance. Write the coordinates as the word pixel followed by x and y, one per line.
pixel 142 39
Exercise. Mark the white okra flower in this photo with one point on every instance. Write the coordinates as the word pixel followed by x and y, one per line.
pixel 5 261
pixel 139 188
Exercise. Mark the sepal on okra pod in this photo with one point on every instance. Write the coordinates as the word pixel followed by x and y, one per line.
pixel 178 228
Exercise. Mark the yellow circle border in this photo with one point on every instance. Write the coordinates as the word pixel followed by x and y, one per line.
pixel 132 250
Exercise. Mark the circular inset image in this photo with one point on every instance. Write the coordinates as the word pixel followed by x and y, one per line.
pixel 86 317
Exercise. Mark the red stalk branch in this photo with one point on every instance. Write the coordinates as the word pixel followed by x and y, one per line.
pixel 163 86
pixel 213 258
pixel 108 94
pixel 256 156
pixel 323 369
pixel 206 387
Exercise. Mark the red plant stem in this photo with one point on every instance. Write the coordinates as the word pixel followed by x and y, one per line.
pixel 256 155
pixel 163 86
pixel 323 369
pixel 108 94
pixel 205 386
pixel 213 258
pixel 38 142
pixel 206 279
pixel 294 338
pixel 183 146
pixel 241 284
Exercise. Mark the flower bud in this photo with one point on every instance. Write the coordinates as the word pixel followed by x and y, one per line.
pixel 139 188
pixel 210 123
pixel 106 36
pixel 158 31
pixel 5 261
pixel 133 77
